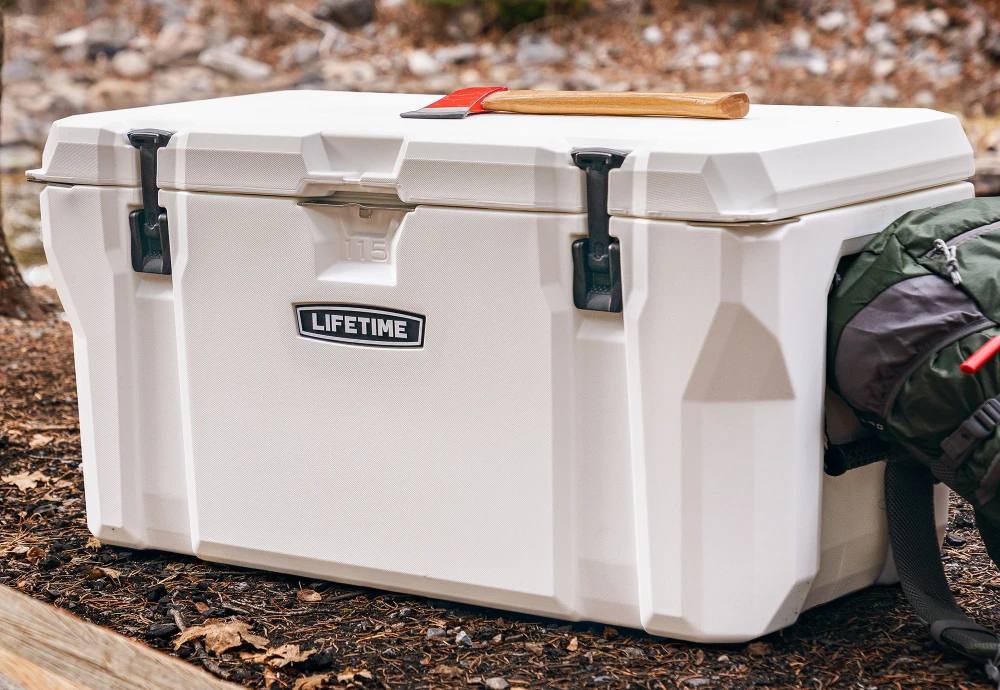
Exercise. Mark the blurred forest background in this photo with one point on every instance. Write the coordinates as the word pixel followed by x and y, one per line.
pixel 72 56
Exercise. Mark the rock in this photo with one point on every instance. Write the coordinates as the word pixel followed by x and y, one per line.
pixel 708 60
pixel 470 77
pixel 233 64
pixel 25 243
pixel 877 33
pixel 465 25
pixel 953 539
pixel 18 69
pixel 117 93
pixel 170 10
pixel 178 40
pixel 320 661
pixel 497 684
pixel 949 68
pixel 924 24
pixel 878 95
pixel 535 49
pixel 71 39
pixel 350 74
pixel 40 275
pixel 16 158
pixel 421 63
pixel 131 64
pixel 883 8
pixel 682 37
pixel 300 53
pixel 463 639
pixel 350 14
pixel 107 36
pixel 973 34
pixel 801 39
pixel 435 632
pixel 817 65
pixel 697 682
pixel 652 35
pixel 886 48
pixel 883 67
pixel 162 630
pixel 831 21
pixel 457 54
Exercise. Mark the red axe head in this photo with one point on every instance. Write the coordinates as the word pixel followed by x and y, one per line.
pixel 457 104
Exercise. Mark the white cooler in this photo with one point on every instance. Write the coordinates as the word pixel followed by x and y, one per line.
pixel 404 353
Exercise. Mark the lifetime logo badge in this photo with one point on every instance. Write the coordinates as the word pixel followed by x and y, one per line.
pixel 354 324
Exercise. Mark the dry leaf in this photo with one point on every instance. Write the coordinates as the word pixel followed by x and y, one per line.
pixel 448 672
pixel 309 596
pixel 201 606
pixel 573 645
pixel 34 554
pixel 98 573
pixel 270 677
pixel 610 633
pixel 699 657
pixel 221 636
pixel 25 481
pixel 20 550
pixel 39 440
pixel 279 657
pixel 534 647
pixel 350 674
pixel 93 543
pixel 312 682
pixel 758 649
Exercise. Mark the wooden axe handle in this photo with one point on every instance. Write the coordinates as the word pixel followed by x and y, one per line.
pixel 724 106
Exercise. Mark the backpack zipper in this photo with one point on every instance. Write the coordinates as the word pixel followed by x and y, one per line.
pixel 953 337
pixel 962 238
pixel 949 249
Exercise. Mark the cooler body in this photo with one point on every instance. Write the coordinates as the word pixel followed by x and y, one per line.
pixel 381 376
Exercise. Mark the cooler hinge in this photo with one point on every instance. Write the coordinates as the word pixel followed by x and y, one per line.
pixel 150 237
pixel 597 266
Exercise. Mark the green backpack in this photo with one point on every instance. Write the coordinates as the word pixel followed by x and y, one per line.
pixel 904 316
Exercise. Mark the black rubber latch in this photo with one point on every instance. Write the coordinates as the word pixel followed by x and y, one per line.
pixel 150 236
pixel 597 266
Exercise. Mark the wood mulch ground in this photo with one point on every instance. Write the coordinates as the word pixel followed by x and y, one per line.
pixel 343 636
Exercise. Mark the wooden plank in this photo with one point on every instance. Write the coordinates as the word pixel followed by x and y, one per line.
pixel 44 648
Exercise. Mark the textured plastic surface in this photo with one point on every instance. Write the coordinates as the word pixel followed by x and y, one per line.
pixel 778 162
pixel 473 468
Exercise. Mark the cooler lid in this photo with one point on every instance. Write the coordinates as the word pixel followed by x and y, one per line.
pixel 778 162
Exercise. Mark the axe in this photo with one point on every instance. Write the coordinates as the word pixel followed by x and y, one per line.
pixel 482 99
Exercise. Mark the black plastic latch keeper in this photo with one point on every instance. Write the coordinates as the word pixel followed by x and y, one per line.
pixel 597 266
pixel 150 237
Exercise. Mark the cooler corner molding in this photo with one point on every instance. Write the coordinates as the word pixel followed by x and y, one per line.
pixel 486 369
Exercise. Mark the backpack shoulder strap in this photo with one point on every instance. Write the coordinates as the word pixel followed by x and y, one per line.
pixel 909 507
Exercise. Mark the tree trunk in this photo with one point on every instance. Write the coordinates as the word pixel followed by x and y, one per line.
pixel 15 297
